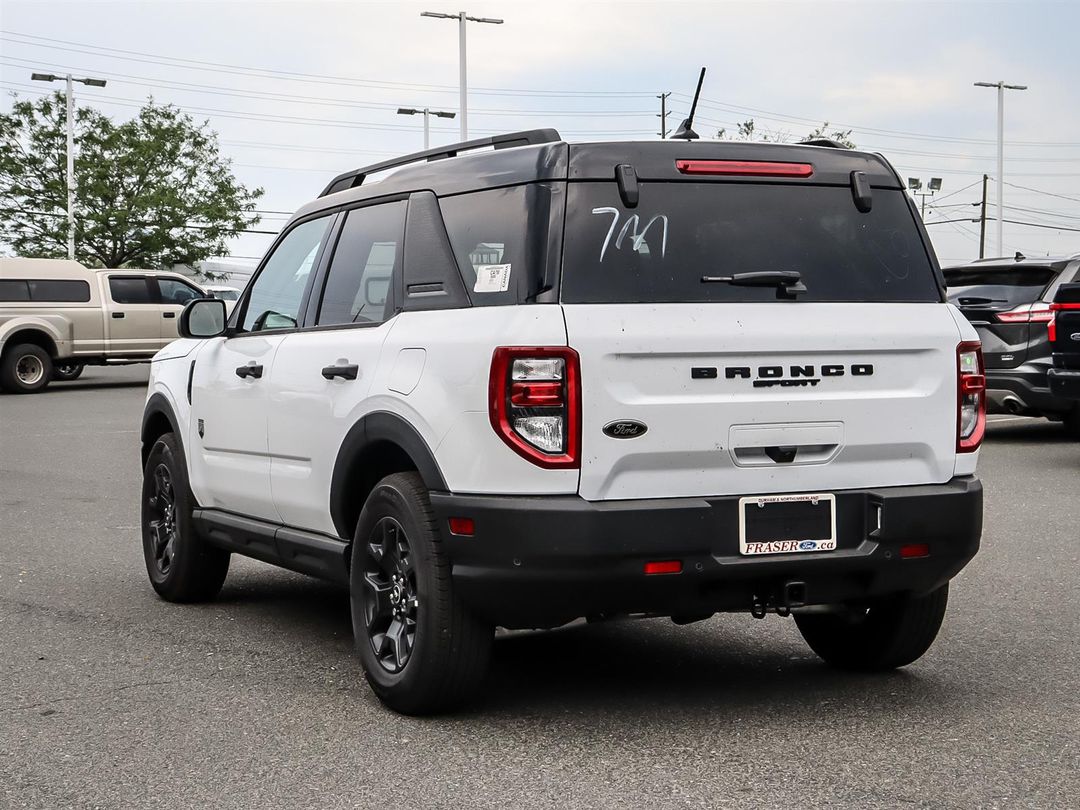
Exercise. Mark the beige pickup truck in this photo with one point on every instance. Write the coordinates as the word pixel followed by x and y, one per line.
pixel 57 316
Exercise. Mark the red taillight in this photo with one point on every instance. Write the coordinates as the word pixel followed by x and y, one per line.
pixel 1027 313
pixel 913 550
pixel 534 402
pixel 753 168
pixel 462 526
pixel 663 567
pixel 970 397
pixel 1051 327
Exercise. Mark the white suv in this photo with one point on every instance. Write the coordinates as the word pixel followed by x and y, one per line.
pixel 544 381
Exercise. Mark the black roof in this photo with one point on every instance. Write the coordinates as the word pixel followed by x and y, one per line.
pixel 541 155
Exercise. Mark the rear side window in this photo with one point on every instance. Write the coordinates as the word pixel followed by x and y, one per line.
pixel 1015 285
pixel 368 251
pixel 679 232
pixel 48 290
pixel 498 237
pixel 130 290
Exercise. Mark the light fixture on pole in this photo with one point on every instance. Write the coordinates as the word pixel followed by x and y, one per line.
pixel 932 188
pixel 69 80
pixel 425 111
pixel 1001 88
pixel 462 18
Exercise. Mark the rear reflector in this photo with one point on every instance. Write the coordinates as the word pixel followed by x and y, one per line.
pixel 462 526
pixel 752 168
pixel 663 567
pixel 913 550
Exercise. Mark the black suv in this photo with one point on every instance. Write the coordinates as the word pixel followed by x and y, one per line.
pixel 1008 302
pixel 1065 342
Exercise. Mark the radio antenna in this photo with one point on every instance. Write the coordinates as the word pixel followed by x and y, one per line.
pixel 686 128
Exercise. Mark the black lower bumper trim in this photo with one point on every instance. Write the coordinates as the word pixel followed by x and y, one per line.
pixel 545 560
pixel 1064 383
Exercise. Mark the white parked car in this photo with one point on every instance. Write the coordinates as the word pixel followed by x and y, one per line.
pixel 230 295
pixel 550 381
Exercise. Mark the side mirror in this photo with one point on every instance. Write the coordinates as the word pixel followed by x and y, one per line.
pixel 202 318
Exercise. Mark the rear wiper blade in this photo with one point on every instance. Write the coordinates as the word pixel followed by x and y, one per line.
pixel 788 283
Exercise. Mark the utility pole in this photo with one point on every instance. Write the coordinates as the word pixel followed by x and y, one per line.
pixel 69 81
pixel 663 113
pixel 1001 88
pixel 426 111
pixel 462 18
pixel 982 221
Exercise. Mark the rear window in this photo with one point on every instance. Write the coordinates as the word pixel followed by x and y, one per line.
pixel 679 232
pixel 50 290
pixel 981 286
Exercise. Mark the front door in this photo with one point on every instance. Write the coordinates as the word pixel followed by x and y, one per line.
pixel 230 458
pixel 173 294
pixel 132 315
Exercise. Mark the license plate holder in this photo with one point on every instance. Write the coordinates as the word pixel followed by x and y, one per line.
pixel 787 524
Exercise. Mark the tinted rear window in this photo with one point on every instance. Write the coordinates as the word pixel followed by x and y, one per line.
pixel 50 290
pixel 984 286
pixel 679 232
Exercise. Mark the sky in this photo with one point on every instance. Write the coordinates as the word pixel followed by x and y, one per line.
pixel 301 91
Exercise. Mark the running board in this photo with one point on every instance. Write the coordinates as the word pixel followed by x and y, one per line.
pixel 304 552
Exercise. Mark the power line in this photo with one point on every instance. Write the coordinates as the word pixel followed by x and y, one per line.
pixel 1047 193
pixel 197 64
pixel 144 81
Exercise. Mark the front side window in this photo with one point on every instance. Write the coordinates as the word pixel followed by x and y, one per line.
pixel 275 297
pixel 368 251
pixel 130 290
pixel 176 292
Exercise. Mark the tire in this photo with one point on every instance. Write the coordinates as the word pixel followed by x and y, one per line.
pixel 888 634
pixel 182 568
pixel 1071 423
pixel 25 369
pixel 421 650
pixel 66 372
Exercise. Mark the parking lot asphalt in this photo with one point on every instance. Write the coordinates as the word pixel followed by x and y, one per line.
pixel 110 697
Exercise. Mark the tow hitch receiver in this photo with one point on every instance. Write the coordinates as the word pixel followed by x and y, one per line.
pixel 791 595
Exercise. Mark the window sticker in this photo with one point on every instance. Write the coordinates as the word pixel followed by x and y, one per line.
pixel 492 278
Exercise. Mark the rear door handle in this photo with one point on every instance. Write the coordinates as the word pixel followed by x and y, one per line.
pixel 118 314
pixel 168 314
pixel 243 372
pixel 345 372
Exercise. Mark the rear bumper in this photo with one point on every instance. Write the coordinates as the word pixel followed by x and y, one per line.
pixel 1025 390
pixel 543 561
pixel 1064 383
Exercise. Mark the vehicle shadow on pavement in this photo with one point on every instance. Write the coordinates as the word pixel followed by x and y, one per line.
pixel 1033 431
pixel 59 389
pixel 626 666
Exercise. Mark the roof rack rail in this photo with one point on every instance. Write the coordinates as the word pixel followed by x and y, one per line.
pixel 527 138
pixel 823 142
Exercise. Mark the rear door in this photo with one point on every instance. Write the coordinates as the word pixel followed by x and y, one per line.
pixel 748 389
pixel 132 315
pixel 323 376
pixel 1006 305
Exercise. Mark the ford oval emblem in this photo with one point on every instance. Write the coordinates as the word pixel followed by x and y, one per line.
pixel 625 429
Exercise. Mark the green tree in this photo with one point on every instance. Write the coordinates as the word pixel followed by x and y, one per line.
pixel 748 131
pixel 153 191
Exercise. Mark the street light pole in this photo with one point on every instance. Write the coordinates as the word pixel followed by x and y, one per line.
pixel 462 18
pixel 426 111
pixel 69 81
pixel 1001 88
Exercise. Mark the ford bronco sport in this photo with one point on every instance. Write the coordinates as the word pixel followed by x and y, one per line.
pixel 541 381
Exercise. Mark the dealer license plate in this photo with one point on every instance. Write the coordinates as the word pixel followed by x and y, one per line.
pixel 787 524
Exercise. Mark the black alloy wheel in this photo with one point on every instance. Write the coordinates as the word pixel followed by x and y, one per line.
pixel 389 592
pixel 161 511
